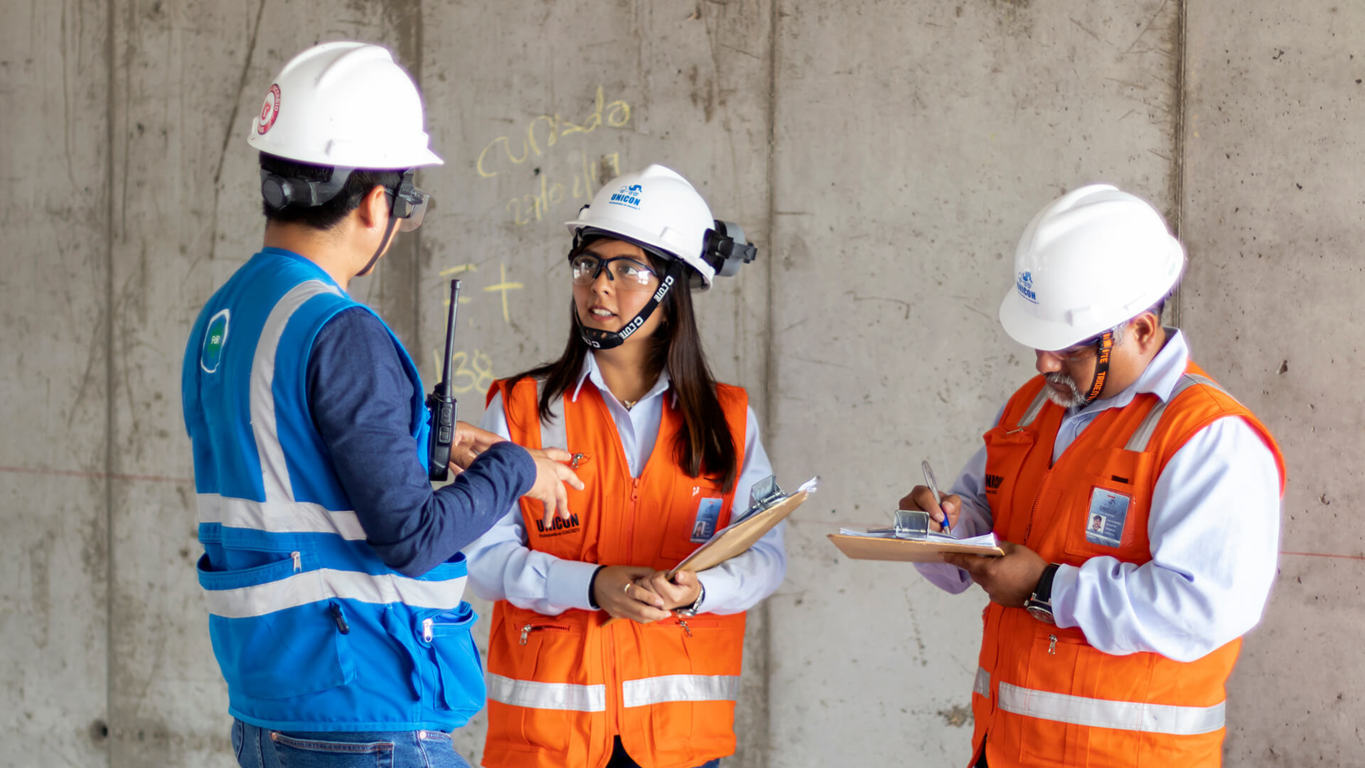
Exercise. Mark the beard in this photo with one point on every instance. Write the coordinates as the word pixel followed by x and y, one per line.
pixel 1072 400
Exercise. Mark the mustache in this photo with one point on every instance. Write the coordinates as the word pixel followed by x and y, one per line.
pixel 1074 396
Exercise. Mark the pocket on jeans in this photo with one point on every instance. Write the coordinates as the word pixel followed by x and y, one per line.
pixel 295 752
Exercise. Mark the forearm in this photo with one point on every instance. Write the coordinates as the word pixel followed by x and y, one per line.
pixel 502 567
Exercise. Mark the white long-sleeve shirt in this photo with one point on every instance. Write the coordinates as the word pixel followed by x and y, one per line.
pixel 1214 529
pixel 502 567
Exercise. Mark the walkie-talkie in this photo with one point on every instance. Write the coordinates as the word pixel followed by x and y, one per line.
pixel 441 403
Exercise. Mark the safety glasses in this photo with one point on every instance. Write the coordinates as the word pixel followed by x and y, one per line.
pixel 628 273
pixel 409 204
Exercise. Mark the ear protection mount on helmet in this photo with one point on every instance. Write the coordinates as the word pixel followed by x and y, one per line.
pixel 725 250
pixel 281 191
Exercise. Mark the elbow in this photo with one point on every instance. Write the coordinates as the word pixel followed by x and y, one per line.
pixel 404 561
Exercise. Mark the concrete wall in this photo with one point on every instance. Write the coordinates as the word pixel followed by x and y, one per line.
pixel 885 155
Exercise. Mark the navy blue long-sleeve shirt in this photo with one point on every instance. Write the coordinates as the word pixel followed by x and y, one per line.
pixel 360 400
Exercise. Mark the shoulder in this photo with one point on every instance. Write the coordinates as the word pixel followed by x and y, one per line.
pixel 730 395
pixel 516 391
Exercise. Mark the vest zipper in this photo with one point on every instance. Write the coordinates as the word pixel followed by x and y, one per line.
pixel 1052 645
pixel 528 628
pixel 427 632
pixel 629 528
pixel 297 557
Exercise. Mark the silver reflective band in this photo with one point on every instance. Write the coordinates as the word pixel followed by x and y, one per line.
pixel 274 470
pixel 534 695
pixel 324 584
pixel 1039 400
pixel 665 688
pixel 277 516
pixel 1104 713
pixel 1138 442
pixel 982 684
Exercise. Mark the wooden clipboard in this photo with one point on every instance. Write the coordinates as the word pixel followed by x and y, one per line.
pixel 736 538
pixel 906 550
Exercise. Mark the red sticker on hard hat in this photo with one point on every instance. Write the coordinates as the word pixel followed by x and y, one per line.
pixel 269 110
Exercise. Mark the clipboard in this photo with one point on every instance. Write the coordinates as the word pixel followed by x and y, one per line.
pixel 927 549
pixel 768 506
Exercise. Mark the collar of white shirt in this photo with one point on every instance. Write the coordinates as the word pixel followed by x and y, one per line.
pixel 591 371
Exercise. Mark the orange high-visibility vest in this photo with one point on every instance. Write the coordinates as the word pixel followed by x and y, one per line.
pixel 1043 696
pixel 560 688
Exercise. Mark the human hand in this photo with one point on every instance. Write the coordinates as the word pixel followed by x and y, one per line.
pixel 615 591
pixel 468 442
pixel 1009 580
pixel 552 474
pixel 681 592
pixel 944 513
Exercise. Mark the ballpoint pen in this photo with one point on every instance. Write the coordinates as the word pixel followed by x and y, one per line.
pixel 933 488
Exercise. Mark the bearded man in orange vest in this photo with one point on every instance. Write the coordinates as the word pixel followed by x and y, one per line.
pixel 1137 503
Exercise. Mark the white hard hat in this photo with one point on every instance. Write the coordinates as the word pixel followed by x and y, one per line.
pixel 344 105
pixel 657 209
pixel 1090 260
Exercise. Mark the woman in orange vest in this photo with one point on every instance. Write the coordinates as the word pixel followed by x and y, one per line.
pixel 668 456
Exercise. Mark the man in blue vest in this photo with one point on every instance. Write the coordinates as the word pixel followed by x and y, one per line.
pixel 332 571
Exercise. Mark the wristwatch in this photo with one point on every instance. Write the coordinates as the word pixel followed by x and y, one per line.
pixel 1039 604
pixel 691 610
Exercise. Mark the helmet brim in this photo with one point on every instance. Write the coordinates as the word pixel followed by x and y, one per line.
pixel 1020 320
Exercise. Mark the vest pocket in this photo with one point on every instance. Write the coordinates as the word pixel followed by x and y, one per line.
pixel 1108 509
pixel 456 657
pixel 283 654
pixel 272 654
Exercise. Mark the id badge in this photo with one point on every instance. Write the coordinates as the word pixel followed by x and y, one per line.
pixel 708 512
pixel 1104 522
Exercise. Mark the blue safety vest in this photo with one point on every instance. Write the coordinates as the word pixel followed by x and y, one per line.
pixel 312 631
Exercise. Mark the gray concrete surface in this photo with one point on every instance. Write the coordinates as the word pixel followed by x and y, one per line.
pixel 885 155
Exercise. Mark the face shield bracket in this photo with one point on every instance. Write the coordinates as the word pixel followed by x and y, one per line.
pixel 727 250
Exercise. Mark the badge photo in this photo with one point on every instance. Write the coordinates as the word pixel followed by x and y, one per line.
pixel 1106 517
pixel 704 525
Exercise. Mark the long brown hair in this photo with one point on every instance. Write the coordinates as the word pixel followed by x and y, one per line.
pixel 704 446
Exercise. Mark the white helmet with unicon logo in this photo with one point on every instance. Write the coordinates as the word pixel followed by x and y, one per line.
pixel 1090 260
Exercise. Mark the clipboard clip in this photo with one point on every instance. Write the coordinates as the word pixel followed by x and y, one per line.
pixel 763 494
pixel 906 524
pixel 910 524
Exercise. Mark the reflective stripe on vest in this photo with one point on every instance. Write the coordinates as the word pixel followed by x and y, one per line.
pixel 1143 434
pixel 1106 713
pixel 982 684
pixel 536 695
pixel 666 688
pixel 278 516
pixel 327 583
pixel 274 470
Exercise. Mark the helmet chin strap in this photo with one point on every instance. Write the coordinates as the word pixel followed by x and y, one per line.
pixel 599 339
pixel 1104 347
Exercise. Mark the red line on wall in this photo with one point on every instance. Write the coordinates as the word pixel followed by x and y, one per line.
pixel 1325 554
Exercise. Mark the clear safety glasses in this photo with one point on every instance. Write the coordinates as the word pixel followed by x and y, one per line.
pixel 627 273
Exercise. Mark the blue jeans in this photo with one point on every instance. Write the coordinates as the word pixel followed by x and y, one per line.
pixel 263 748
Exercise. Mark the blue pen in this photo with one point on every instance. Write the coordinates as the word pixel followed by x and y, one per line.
pixel 933 488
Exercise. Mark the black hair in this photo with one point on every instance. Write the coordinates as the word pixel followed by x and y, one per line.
pixel 704 446
pixel 324 217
